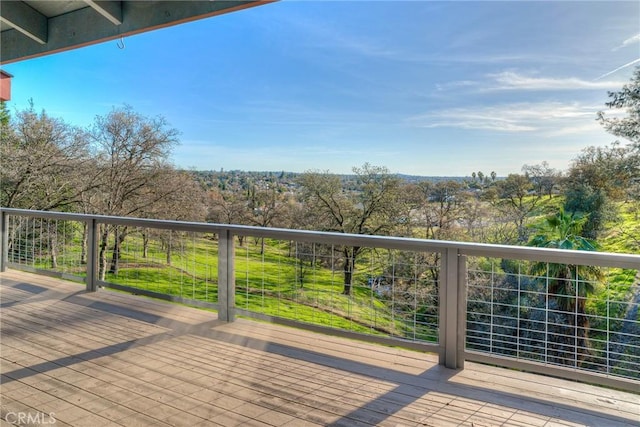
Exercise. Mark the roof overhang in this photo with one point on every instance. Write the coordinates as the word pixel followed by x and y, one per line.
pixel 5 86
pixel 30 29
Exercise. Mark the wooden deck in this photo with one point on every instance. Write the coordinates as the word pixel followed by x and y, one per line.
pixel 107 359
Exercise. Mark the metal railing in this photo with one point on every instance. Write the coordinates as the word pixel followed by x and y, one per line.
pixel 565 313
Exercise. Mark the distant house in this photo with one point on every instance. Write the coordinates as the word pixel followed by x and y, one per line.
pixel 5 86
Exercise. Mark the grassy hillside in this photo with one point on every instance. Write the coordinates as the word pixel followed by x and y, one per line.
pixel 623 234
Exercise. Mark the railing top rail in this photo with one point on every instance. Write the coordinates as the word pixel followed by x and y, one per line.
pixel 119 220
pixel 560 256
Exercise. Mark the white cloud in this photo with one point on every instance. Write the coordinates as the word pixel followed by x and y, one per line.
pixel 319 34
pixel 456 84
pixel 629 41
pixel 592 126
pixel 547 118
pixel 509 80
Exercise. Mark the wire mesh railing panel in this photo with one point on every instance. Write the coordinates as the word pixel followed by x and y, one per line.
pixel 366 290
pixel 168 262
pixel 52 245
pixel 581 317
pixel 575 310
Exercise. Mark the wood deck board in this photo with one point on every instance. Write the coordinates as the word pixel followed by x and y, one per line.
pixel 109 358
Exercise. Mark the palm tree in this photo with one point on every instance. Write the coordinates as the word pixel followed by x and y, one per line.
pixel 569 285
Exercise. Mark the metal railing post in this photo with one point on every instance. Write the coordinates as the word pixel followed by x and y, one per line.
pixel 462 310
pixel 92 255
pixel 451 311
pixel 4 241
pixel 226 277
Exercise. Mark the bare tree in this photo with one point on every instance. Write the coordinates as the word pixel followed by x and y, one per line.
pixel 179 197
pixel 543 177
pixel 266 206
pixel 440 208
pixel 45 163
pixel 225 206
pixel 370 208
pixel 132 152
pixel 474 217
pixel 517 201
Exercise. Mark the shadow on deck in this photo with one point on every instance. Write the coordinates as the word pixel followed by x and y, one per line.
pixel 109 359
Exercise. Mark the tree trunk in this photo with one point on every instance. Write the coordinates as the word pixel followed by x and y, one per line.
pixel 522 230
pixel 53 249
pixel 115 256
pixel 434 271
pixel 571 339
pixel 119 237
pixel 168 249
pixel 582 330
pixel 85 236
pixel 301 273
pixel 145 244
pixel 115 253
pixel 350 255
pixel 102 269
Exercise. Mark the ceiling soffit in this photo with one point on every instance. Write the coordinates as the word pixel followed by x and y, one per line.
pixel 35 28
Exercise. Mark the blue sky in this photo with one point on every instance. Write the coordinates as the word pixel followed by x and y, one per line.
pixel 421 87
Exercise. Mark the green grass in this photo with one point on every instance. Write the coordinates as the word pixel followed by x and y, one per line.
pixel 267 282
pixel 270 282
pixel 618 239
pixel 623 234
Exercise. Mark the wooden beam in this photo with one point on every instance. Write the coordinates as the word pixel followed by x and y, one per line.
pixel 25 20
pixel 85 27
pixel 112 10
